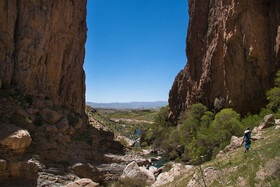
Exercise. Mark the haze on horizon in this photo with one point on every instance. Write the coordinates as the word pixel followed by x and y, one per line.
pixel 134 49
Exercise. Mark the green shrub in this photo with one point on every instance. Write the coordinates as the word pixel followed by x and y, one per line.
pixel 167 167
pixel 144 144
pixel 124 142
pixel 197 110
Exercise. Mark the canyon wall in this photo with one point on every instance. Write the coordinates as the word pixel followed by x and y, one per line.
pixel 233 54
pixel 42 49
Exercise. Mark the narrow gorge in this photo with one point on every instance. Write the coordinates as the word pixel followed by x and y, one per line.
pixel 46 136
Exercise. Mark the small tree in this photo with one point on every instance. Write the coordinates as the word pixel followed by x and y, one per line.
pixel 273 95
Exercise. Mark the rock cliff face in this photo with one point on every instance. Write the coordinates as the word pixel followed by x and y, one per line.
pixel 42 49
pixel 233 51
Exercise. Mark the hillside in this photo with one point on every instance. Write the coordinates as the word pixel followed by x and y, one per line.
pixel 129 105
pixel 259 167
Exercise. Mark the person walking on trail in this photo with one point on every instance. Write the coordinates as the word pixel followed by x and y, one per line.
pixel 247 139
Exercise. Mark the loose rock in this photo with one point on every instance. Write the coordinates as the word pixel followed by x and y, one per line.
pixel 14 137
pixel 50 116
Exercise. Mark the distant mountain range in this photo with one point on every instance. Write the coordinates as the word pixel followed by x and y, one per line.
pixel 130 105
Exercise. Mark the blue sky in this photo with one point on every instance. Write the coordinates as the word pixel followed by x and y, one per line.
pixel 134 49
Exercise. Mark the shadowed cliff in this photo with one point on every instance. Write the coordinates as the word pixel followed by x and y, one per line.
pixel 233 55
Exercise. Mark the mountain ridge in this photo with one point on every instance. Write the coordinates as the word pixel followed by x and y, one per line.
pixel 128 105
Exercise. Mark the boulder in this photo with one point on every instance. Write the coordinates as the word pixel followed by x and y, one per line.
pixel 51 128
pixel 14 137
pixel 85 182
pixel 3 169
pixel 268 122
pixel 26 169
pixel 132 170
pixel 50 116
pixel 62 125
pixel 277 121
pixel 79 124
pixel 149 175
pixel 269 118
pixel 22 113
pixel 169 176
pixel 85 170
pixel 255 130
pixel 265 125
pixel 32 110
pixel 129 142
pixel 3 164
pixel 153 169
pixel 234 144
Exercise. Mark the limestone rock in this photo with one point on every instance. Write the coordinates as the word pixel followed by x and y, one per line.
pixel 62 125
pixel 129 142
pixel 50 116
pixel 51 128
pixel 235 143
pixel 153 169
pixel 3 169
pixel 277 121
pixel 230 55
pixel 25 169
pixel 85 170
pixel 32 110
pixel 79 124
pixel 169 176
pixel 14 137
pixel 132 170
pixel 149 175
pixel 83 183
pixel 43 48
pixel 268 122
pixel 269 118
pixel 22 113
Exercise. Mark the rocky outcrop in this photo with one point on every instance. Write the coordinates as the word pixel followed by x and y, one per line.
pixel 13 137
pixel 233 54
pixel 43 48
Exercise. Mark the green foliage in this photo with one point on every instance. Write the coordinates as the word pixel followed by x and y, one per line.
pixel 144 144
pixel 197 110
pixel 167 167
pixel 227 120
pixel 124 142
pixel 194 150
pixel 273 96
pixel 162 117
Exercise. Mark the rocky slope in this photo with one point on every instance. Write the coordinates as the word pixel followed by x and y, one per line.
pixel 43 48
pixel 232 167
pixel 233 54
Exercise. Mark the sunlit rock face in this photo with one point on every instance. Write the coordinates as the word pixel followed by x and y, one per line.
pixel 43 48
pixel 233 54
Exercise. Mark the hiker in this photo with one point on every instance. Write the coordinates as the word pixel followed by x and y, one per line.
pixel 247 139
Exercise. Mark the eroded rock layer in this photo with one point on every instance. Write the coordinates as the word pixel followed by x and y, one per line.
pixel 42 49
pixel 233 54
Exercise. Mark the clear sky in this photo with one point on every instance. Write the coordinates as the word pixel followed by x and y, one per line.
pixel 134 49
